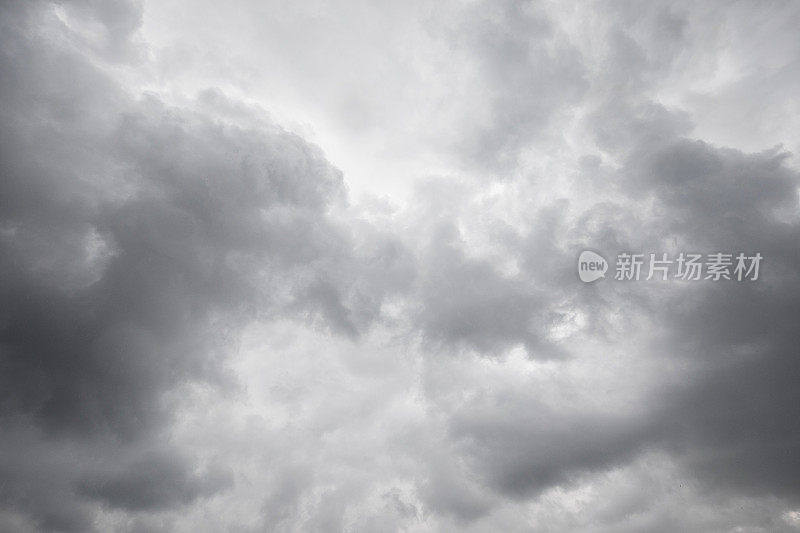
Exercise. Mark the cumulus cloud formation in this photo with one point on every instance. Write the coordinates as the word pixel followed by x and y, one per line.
pixel 285 267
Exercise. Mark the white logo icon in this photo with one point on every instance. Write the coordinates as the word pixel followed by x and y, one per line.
pixel 591 266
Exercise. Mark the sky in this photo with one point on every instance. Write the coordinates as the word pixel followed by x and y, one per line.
pixel 304 266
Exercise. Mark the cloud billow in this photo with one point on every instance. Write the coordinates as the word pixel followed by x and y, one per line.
pixel 136 238
pixel 202 329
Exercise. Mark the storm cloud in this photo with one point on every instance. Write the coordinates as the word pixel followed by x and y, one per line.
pixel 302 268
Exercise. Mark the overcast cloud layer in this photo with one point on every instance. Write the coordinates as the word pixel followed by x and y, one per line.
pixel 291 266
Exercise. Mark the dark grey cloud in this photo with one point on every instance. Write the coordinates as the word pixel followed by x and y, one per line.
pixel 157 479
pixel 522 448
pixel 136 239
pixel 730 424
pixel 736 423
pixel 199 331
